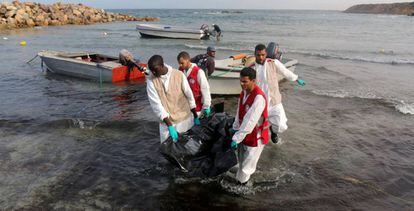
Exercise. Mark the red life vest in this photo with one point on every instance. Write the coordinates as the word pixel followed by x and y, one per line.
pixel 195 87
pixel 252 139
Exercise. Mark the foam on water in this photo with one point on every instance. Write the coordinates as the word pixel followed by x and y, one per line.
pixel 357 57
pixel 405 108
pixel 100 144
pixel 399 105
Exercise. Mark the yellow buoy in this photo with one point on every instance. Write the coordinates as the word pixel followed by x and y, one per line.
pixel 23 43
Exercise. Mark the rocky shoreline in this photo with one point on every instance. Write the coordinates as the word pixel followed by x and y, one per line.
pixel 29 14
pixel 392 9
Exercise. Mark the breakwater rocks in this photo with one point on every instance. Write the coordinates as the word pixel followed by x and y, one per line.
pixel 28 14
pixel 392 9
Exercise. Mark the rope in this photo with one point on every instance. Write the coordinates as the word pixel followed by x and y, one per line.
pixel 32 59
pixel 100 77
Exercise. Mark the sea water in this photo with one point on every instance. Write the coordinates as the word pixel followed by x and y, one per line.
pixel 69 143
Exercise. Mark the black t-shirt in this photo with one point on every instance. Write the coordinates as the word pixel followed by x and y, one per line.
pixel 205 62
pixel 217 28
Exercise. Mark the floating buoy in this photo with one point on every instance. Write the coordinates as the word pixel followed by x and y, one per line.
pixel 23 43
pixel 105 33
pixel 5 38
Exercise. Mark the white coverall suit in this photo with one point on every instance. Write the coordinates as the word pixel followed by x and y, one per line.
pixel 248 156
pixel 159 110
pixel 277 115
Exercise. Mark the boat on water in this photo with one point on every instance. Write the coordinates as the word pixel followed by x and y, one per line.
pixel 225 79
pixel 87 65
pixel 174 32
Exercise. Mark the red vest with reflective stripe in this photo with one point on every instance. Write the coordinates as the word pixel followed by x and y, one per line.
pixel 195 87
pixel 252 139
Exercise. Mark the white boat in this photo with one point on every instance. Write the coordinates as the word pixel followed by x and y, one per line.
pixel 92 66
pixel 175 32
pixel 225 79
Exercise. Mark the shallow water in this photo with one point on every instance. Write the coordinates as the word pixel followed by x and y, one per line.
pixel 68 143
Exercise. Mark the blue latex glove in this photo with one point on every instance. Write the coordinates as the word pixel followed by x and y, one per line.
pixel 197 121
pixel 233 145
pixel 207 112
pixel 232 131
pixel 173 133
pixel 301 82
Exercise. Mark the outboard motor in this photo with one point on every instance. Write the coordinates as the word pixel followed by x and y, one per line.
pixel 273 51
pixel 204 27
pixel 127 59
pixel 206 31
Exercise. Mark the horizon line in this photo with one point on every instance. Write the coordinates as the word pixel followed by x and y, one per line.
pixel 215 9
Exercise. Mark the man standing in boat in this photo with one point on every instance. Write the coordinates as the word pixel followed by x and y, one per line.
pixel 197 81
pixel 206 61
pixel 251 125
pixel 267 80
pixel 171 99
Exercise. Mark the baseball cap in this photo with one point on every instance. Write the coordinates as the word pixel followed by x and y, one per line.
pixel 211 48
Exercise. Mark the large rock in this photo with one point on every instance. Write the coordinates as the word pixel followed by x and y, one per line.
pixel 11 23
pixel 10 8
pixel 30 4
pixel 54 23
pixel 30 23
pixel 16 3
pixel 88 13
pixel 40 19
pixel 20 12
pixel 45 8
pixel 76 12
pixel 3 11
pixel 19 19
pixel 10 13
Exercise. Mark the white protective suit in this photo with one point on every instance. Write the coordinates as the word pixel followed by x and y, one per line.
pixel 248 156
pixel 159 110
pixel 277 115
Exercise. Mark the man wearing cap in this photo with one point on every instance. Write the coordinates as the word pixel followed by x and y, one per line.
pixel 206 61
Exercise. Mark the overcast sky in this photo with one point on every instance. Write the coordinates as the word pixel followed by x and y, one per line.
pixel 223 4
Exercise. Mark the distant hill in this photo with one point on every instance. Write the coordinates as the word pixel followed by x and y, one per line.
pixel 392 9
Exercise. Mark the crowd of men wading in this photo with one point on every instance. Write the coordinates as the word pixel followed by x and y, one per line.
pixel 180 97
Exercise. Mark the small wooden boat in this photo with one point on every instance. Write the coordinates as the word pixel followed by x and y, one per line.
pixel 175 32
pixel 91 66
pixel 225 79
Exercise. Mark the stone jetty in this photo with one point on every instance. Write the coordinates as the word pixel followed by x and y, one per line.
pixel 29 14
